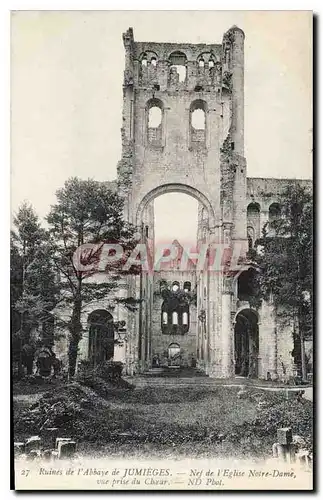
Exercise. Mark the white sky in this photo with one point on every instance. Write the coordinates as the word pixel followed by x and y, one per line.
pixel 66 91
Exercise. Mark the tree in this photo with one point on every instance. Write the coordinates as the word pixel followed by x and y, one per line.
pixel 86 211
pixel 33 285
pixel 285 259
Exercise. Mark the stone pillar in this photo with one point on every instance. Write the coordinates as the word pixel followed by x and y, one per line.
pixel 236 36
pixel 163 74
pixel 268 342
pixel 214 314
pixel 191 69
pixel 227 332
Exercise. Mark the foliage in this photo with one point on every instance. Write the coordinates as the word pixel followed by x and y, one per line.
pixel 87 211
pixel 34 287
pixel 287 253
pixel 285 258
pixel 158 416
pixel 182 297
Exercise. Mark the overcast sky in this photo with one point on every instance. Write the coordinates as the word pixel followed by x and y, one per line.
pixel 66 88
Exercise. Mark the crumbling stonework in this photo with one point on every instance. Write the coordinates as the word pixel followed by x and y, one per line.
pixel 206 162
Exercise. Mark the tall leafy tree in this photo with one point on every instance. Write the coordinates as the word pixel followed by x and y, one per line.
pixel 33 280
pixel 86 211
pixel 285 259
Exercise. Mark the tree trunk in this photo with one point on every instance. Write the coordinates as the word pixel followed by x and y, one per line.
pixel 72 356
pixel 75 334
pixel 303 358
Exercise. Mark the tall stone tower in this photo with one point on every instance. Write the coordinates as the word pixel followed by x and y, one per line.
pixel 183 131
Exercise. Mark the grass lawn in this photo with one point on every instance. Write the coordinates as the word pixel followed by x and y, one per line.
pixel 162 421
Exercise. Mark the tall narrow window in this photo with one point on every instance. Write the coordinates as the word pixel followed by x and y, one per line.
pixel 177 68
pixel 198 119
pixel 274 212
pixel 154 122
pixel 198 123
pixel 155 117
pixel 175 318
pixel 253 218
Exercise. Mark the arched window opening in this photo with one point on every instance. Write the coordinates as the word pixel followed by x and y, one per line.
pixel 155 122
pixel 201 63
pixel 101 336
pixel 198 119
pixel 246 343
pixel 175 286
pixel 178 70
pixel 148 65
pixel 187 286
pixel 247 284
pixel 154 117
pixel 175 318
pixel 178 73
pixel 211 63
pixel 274 212
pixel 198 122
pixel 253 218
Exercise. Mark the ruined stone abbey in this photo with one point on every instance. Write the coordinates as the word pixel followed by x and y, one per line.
pixel 183 131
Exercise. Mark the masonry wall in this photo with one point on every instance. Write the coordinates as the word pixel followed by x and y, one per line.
pixel 161 341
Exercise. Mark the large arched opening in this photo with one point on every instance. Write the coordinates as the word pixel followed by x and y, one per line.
pixel 170 217
pixel 246 343
pixel 175 188
pixel 101 336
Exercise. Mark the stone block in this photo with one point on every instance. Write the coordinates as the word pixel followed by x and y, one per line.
pixel 32 443
pixel 66 449
pixel 49 436
pixel 284 435
pixel 61 440
pixel 279 451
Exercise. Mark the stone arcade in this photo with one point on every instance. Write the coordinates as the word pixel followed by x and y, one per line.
pixel 164 151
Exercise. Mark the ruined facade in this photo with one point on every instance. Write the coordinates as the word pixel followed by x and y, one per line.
pixel 203 319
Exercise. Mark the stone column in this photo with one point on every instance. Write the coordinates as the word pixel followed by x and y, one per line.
pixel 214 314
pixel 268 342
pixel 236 36
pixel 227 332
